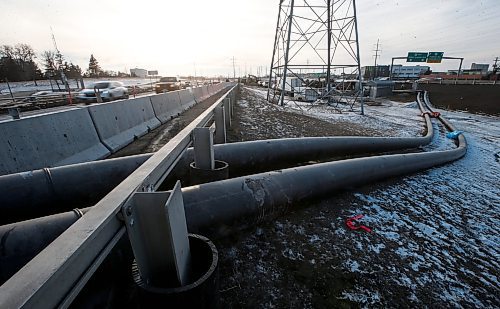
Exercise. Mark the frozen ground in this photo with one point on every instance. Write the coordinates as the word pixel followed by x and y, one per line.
pixel 435 239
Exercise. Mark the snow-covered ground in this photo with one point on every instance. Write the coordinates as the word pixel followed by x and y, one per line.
pixel 435 239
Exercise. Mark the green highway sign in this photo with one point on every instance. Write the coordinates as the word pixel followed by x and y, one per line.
pixel 435 57
pixel 416 57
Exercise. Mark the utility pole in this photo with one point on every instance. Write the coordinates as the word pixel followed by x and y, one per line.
pixel 195 80
pixel 377 50
pixel 234 70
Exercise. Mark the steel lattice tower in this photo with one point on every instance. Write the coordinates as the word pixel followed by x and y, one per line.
pixel 316 41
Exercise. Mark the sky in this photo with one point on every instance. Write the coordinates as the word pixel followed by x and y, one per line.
pixel 184 37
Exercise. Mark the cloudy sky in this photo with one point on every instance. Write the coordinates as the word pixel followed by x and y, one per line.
pixel 177 37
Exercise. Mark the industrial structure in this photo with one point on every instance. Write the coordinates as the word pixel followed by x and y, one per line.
pixel 372 72
pixel 318 37
pixel 142 73
pixel 399 71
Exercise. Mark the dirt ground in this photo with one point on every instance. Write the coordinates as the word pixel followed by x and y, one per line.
pixel 434 241
pixel 483 99
pixel 416 257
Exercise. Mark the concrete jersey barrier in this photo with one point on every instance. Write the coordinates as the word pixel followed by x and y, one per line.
pixel 119 123
pixel 187 98
pixel 198 94
pixel 167 105
pixel 205 92
pixel 89 133
pixel 49 140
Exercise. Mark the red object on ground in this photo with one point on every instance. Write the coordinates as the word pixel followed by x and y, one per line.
pixel 433 114
pixel 351 225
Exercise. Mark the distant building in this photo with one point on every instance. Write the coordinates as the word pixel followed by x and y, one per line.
pixel 468 72
pixel 139 72
pixel 408 72
pixel 380 88
pixel 453 75
pixel 480 67
pixel 369 72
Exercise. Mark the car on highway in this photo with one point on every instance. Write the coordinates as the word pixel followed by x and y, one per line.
pixel 109 91
pixel 168 84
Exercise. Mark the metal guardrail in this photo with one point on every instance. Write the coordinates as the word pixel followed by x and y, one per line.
pixel 460 82
pixel 55 276
pixel 40 102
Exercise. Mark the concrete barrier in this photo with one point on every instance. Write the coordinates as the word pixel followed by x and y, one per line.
pixel 187 98
pixel 119 123
pixel 198 94
pixel 211 90
pixel 167 105
pixel 219 87
pixel 89 133
pixel 49 140
pixel 206 94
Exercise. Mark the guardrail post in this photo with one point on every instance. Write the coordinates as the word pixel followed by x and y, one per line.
pixel 233 101
pixel 227 111
pixel 203 148
pixel 157 229
pixel 14 112
pixel 98 95
pixel 220 125
pixel 205 168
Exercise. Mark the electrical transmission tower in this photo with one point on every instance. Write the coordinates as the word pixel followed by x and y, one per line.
pixel 316 52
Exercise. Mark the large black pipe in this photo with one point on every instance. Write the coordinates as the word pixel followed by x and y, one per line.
pixel 47 191
pixel 443 120
pixel 21 241
pixel 239 201
pixel 257 156
pixel 52 190
pixel 43 192
pixel 214 205
pixel 264 155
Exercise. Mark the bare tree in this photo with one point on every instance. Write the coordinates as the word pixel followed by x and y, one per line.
pixel 49 62
pixel 18 62
pixel 7 51
pixel 24 52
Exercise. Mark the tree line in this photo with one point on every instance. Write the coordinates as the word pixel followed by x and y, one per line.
pixel 17 63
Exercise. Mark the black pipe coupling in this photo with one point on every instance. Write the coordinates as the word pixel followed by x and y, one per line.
pixel 198 175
